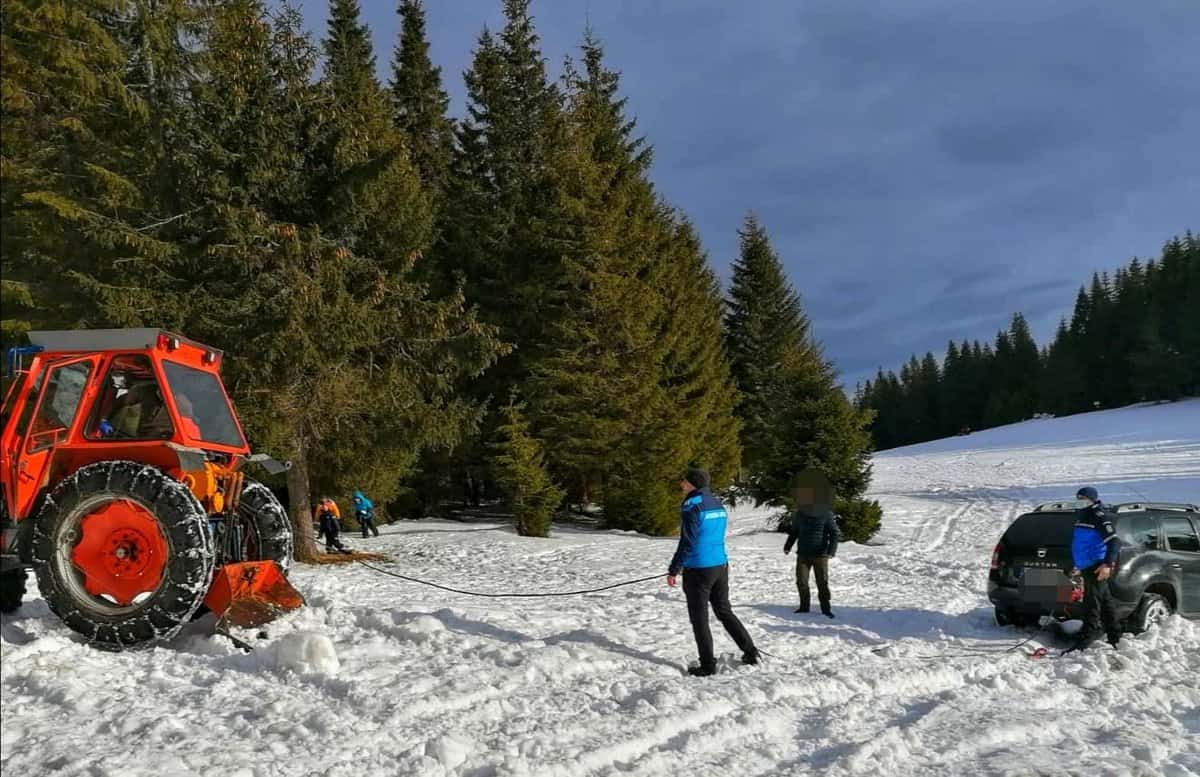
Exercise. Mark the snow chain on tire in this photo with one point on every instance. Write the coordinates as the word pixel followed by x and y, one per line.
pixel 186 576
pixel 267 518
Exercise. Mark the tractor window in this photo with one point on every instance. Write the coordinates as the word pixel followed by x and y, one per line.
pixel 13 390
pixel 30 404
pixel 60 402
pixel 130 406
pixel 202 403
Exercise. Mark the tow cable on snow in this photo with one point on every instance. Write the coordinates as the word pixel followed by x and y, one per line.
pixel 509 595
pixel 973 652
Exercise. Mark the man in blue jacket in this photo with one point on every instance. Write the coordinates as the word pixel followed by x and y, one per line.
pixel 1094 549
pixel 705 566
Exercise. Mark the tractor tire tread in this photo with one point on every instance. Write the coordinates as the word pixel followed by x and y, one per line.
pixel 189 567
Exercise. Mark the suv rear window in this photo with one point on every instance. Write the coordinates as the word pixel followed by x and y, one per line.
pixel 1040 529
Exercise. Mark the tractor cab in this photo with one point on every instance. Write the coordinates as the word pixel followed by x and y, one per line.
pixel 139 406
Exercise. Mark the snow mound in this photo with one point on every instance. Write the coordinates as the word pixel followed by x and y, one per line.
pixel 303 652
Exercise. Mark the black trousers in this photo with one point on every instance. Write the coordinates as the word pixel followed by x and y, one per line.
pixel 367 524
pixel 1099 610
pixel 820 568
pixel 709 586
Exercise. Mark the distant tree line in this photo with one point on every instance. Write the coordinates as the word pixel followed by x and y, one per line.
pixel 1134 336
pixel 428 309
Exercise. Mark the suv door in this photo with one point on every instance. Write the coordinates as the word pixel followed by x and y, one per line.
pixel 1183 544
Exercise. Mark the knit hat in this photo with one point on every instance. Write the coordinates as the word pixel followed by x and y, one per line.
pixel 697 477
pixel 1087 492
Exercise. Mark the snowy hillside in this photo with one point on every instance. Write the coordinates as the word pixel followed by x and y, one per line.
pixel 381 677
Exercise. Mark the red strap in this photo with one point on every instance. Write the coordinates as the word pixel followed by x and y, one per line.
pixel 1039 653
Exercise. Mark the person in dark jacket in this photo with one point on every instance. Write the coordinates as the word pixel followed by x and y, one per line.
pixel 813 531
pixel 329 526
pixel 1094 550
pixel 364 511
pixel 701 557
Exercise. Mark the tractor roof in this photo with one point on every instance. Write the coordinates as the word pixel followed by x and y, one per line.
pixel 86 340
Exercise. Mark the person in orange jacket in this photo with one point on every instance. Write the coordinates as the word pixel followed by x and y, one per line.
pixel 329 520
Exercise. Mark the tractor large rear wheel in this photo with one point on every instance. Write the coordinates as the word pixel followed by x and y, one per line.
pixel 123 554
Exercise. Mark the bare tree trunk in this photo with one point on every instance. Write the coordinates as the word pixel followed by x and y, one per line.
pixel 299 501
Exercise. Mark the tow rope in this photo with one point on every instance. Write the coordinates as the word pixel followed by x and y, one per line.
pixel 972 652
pixel 509 595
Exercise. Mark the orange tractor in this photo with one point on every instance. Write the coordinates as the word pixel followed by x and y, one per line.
pixel 121 465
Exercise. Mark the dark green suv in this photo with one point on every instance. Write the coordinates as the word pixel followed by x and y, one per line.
pixel 1158 570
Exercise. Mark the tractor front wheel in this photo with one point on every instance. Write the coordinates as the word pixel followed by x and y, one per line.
pixel 269 532
pixel 123 554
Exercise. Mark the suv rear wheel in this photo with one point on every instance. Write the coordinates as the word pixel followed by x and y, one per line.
pixel 1151 610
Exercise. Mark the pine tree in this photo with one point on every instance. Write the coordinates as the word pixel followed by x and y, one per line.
pixel 340 361
pixel 1024 371
pixel 419 102
pixel 501 204
pixel 618 370
pixel 77 232
pixel 795 414
pixel 520 472
pixel 766 331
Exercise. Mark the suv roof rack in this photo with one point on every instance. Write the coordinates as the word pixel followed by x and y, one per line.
pixel 1064 506
pixel 1132 507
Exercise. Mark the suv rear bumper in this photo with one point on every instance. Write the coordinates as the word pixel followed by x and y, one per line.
pixel 1009 599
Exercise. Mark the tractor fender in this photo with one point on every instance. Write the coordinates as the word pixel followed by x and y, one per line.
pixel 190 459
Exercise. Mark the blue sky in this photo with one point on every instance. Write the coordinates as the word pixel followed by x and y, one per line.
pixel 924 167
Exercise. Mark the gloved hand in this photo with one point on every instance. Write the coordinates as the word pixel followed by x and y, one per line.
pixel 671 580
pixel 1104 571
pixel 105 428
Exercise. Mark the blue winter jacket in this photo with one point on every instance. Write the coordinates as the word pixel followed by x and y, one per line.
pixel 362 505
pixel 1094 540
pixel 701 533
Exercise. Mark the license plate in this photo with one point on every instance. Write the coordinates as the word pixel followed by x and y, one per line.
pixel 1044 585
pixel 1043 577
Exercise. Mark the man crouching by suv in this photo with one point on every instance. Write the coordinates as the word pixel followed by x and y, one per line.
pixel 1094 549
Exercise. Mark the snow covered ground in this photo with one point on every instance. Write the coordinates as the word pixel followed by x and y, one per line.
pixel 382 677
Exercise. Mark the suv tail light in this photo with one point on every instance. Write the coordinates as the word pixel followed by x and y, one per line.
pixel 996 557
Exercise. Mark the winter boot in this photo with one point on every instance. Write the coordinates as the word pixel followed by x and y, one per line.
pixel 803 606
pixel 826 610
pixel 751 658
pixel 702 670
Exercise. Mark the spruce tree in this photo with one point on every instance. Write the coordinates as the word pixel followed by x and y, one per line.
pixel 77 231
pixel 796 415
pixel 502 203
pixel 520 472
pixel 765 332
pixel 620 367
pixel 339 360
pixel 419 102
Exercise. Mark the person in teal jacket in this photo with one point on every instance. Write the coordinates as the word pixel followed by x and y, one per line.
pixel 364 512
pixel 701 557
